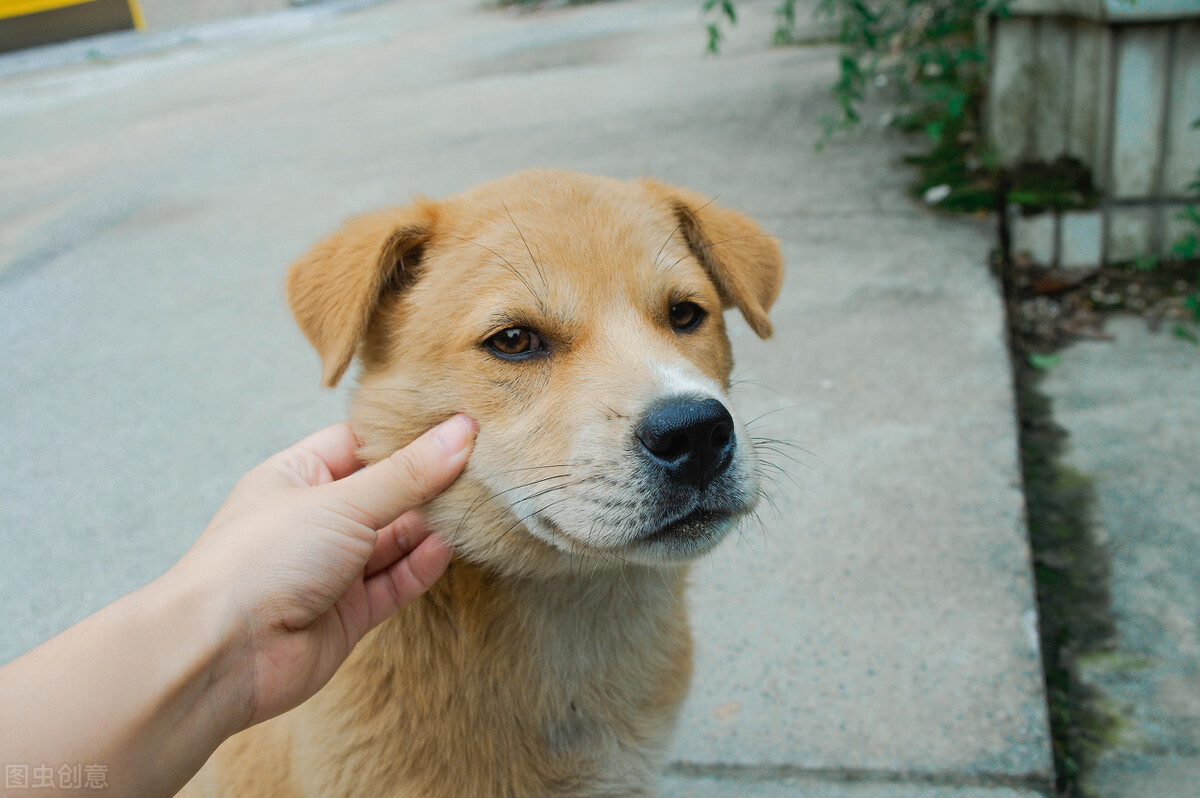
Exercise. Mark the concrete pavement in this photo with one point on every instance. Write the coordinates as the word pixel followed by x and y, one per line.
pixel 876 637
pixel 1130 407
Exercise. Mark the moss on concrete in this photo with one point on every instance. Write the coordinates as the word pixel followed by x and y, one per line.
pixel 1072 570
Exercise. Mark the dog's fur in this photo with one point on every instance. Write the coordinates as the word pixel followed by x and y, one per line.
pixel 553 656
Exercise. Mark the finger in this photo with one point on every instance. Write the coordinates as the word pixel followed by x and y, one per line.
pixel 319 459
pixel 396 540
pixel 380 493
pixel 336 446
pixel 392 588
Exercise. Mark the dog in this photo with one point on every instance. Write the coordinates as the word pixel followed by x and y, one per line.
pixel 579 320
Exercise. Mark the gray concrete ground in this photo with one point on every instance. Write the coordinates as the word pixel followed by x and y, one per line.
pixel 1130 407
pixel 176 13
pixel 876 637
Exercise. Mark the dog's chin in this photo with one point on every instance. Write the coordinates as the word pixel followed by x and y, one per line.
pixel 685 538
pixel 677 541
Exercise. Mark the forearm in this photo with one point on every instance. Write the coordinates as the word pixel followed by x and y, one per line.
pixel 145 689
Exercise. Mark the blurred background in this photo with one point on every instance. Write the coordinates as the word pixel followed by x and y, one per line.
pixel 977 575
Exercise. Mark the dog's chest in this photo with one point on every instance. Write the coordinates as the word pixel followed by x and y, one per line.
pixel 544 691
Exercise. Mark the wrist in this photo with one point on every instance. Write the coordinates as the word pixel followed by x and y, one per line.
pixel 214 662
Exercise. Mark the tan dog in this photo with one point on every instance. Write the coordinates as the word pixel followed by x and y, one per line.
pixel 578 320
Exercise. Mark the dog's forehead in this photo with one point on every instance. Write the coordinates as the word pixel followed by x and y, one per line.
pixel 595 237
pixel 602 220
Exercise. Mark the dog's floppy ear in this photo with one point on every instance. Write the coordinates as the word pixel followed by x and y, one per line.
pixel 335 287
pixel 743 261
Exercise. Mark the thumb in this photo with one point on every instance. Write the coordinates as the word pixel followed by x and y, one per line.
pixel 380 493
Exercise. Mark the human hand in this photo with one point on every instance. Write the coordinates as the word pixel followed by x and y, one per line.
pixel 308 555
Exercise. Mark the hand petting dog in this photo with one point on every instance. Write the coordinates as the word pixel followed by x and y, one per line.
pixel 308 554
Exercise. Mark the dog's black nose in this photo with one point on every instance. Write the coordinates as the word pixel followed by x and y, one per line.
pixel 692 440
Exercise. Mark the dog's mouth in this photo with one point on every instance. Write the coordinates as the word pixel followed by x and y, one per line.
pixel 697 523
pixel 689 535
pixel 682 538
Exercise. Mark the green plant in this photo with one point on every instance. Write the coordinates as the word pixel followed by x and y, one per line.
pixel 1187 249
pixel 1147 263
pixel 1187 246
pixel 718 11
pixel 931 56
pixel 534 4
pixel 928 50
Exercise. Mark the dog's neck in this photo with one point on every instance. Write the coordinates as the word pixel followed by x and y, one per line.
pixel 631 589
pixel 559 618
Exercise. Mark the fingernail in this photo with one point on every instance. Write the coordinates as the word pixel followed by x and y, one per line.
pixel 454 434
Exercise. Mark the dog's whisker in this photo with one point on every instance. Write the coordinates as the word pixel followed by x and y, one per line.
pixel 568 464
pixel 761 416
pixel 667 584
pixel 611 413
pixel 693 215
pixel 388 388
pixel 528 286
pixel 773 478
pixel 690 213
pixel 536 265
pixel 766 497
pixel 712 244
pixel 521 520
pixel 543 492
pixel 783 442
pixel 760 451
pixel 480 502
pixel 738 383
pixel 780 469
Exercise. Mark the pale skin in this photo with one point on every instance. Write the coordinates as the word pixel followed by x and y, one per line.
pixel 308 554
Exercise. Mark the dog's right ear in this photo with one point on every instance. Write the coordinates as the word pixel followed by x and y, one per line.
pixel 335 287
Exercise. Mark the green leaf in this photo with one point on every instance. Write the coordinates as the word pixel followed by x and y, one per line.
pixel 714 39
pixel 1044 362
pixel 1192 303
pixel 1186 247
pixel 1186 334
pixel 1147 263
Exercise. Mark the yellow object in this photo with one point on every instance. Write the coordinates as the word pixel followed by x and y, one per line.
pixel 19 8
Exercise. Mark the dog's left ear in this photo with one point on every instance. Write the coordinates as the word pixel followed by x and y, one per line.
pixel 743 261
pixel 334 288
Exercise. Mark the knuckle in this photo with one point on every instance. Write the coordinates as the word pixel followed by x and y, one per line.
pixel 406 469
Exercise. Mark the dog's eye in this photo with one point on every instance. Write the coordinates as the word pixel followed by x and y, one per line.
pixel 685 316
pixel 515 341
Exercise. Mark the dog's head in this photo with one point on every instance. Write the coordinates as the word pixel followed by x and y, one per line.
pixel 578 320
